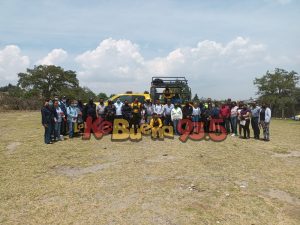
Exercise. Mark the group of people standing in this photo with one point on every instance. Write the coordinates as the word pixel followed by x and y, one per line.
pixel 62 117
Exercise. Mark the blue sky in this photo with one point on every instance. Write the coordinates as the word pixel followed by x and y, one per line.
pixel 221 46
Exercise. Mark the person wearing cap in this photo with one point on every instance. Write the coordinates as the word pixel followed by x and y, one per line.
pixel 167 113
pixel 149 110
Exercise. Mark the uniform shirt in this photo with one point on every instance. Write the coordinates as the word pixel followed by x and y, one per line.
pixel 155 122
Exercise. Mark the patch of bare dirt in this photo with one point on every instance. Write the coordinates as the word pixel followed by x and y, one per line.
pixel 77 171
pixel 11 147
pixel 290 154
pixel 283 196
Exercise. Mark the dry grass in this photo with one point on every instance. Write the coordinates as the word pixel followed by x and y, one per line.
pixel 149 182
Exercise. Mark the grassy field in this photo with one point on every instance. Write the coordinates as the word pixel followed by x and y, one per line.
pixel 150 182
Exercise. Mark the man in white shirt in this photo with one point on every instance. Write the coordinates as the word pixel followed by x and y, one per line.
pixel 101 108
pixel 158 109
pixel 176 116
pixel 118 106
pixel 167 112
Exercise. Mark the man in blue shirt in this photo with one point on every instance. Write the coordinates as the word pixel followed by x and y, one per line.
pixel 255 120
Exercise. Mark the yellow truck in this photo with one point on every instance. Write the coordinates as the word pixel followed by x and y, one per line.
pixel 129 96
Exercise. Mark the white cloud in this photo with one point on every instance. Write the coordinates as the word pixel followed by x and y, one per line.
pixel 55 57
pixel 118 65
pixel 11 63
pixel 111 60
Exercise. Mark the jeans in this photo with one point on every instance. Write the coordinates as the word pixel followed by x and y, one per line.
pixel 47 135
pixel 175 124
pixel 233 121
pixel 226 124
pixel 255 127
pixel 246 129
pixel 195 118
pixel 167 120
pixel 57 128
pixel 266 130
pixel 71 128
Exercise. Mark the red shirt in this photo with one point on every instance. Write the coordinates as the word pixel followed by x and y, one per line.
pixel 225 111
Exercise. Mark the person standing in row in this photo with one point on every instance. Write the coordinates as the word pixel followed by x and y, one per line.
pixel 90 110
pixel 72 118
pixel 158 109
pixel 255 120
pixel 136 114
pixel 110 111
pixel 265 118
pixel 101 108
pixel 58 120
pixel 225 115
pixel 118 106
pixel 187 111
pixel 47 121
pixel 149 110
pixel 245 121
pixel 63 105
pixel 176 116
pixel 233 118
pixel 127 112
pixel 167 113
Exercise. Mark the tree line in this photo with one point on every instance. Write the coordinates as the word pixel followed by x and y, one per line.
pixel 279 89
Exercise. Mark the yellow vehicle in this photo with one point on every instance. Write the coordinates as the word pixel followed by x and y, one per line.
pixel 129 96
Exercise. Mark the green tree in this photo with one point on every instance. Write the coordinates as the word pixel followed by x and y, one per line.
pixel 102 95
pixel 48 80
pixel 278 89
pixel 82 93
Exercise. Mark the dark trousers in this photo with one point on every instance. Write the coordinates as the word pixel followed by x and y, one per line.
pixel 63 127
pixel 47 135
pixel 255 127
pixel 135 121
pixel 168 121
pixel 226 124
pixel 246 129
